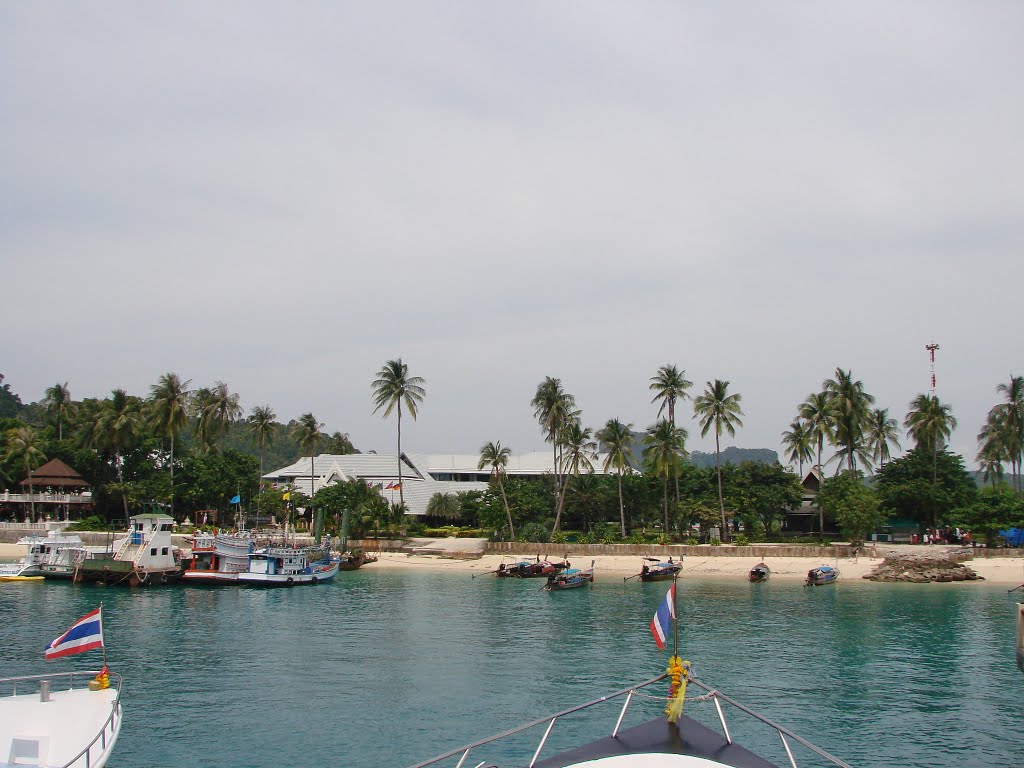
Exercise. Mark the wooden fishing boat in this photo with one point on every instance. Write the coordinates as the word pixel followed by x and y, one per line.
pixel 219 558
pixel 287 566
pixel 659 570
pixel 570 578
pixel 759 573
pixel 823 574
pixel 144 556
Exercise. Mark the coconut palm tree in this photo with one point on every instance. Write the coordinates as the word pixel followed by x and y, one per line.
pixel 554 409
pixel 669 385
pixel 992 451
pixel 1013 420
pixel 58 400
pixel 816 410
pixel 445 506
pixel 717 408
pixel 308 433
pixel 392 387
pixel 262 423
pixel 117 431
pixel 881 431
pixel 850 407
pixel 930 423
pixel 496 457
pixel 617 440
pixel 168 413
pixel 798 441
pixel 578 449
pixel 665 449
pixel 23 445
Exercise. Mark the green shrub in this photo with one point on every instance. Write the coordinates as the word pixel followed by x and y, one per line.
pixel 91 523
pixel 740 540
pixel 716 542
pixel 692 542
pixel 533 532
pixel 637 538
pixel 663 540
pixel 559 537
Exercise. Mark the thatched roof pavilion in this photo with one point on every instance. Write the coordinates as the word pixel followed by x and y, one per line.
pixel 55 474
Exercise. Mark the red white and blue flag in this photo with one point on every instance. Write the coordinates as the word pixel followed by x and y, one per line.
pixel 662 620
pixel 84 635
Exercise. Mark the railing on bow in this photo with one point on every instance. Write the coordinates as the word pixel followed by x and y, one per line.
pixel 711 694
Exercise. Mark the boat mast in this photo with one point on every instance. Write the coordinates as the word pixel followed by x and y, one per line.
pixel 675 614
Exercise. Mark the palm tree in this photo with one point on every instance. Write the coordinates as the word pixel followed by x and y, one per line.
pixel 445 506
pixel 816 410
pixel 554 409
pixel 665 449
pixel 850 407
pixel 496 457
pixel 930 423
pixel 168 413
pixel 1013 418
pixel 262 427
pixel 617 440
pixel 882 430
pixel 578 449
pixel 991 451
pixel 307 433
pixel 118 430
pixel 798 441
pixel 717 408
pixel 58 399
pixel 23 444
pixel 670 384
pixel 392 387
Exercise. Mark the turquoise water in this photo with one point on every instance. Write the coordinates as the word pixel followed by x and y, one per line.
pixel 391 667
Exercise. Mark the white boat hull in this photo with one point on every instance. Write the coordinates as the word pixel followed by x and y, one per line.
pixel 317 575
pixel 210 577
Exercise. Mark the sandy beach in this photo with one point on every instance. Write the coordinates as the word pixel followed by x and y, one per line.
pixel 997 570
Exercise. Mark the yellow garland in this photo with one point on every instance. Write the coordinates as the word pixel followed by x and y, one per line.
pixel 678 670
pixel 103 678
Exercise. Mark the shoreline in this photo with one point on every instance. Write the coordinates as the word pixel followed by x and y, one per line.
pixel 1008 571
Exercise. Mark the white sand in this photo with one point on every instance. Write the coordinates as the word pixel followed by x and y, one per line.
pixel 998 570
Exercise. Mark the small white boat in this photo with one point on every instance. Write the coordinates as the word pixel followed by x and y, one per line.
pixel 144 556
pixel 287 566
pixel 54 555
pixel 59 719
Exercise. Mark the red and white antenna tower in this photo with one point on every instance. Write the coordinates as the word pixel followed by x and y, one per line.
pixel 931 355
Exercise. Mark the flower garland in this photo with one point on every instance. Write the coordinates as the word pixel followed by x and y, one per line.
pixel 103 678
pixel 679 672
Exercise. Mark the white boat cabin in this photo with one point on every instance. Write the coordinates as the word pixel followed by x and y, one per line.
pixel 280 561
pixel 148 543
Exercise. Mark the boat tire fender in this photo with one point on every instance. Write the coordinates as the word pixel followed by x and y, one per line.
pixel 316 580
pixel 290 581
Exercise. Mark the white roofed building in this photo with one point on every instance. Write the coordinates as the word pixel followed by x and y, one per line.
pixel 423 474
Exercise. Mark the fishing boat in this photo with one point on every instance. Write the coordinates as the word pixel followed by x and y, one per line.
pixel 759 573
pixel 218 558
pixel 144 556
pixel 660 570
pixel 288 566
pixel 823 574
pixel 570 578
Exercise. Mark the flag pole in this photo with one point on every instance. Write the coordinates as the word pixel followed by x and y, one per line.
pixel 675 613
pixel 104 646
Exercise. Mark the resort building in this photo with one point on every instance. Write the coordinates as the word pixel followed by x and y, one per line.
pixel 48 494
pixel 423 474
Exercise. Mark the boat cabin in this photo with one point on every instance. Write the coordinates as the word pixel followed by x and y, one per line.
pixel 148 543
pixel 279 561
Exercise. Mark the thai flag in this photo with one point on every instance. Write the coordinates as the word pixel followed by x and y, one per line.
pixel 84 635
pixel 663 618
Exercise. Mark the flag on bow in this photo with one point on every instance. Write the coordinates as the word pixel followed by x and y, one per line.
pixel 84 635
pixel 663 618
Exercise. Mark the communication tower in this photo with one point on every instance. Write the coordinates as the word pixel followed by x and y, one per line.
pixel 931 356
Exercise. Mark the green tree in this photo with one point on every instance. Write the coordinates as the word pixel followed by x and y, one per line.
pixel 816 411
pixel 58 400
pixel 554 409
pixel 262 428
pixel 617 440
pixel 393 387
pixel 798 442
pixel 882 430
pixel 444 506
pixel 496 457
pixel 854 506
pixel 367 509
pixel 25 446
pixel 168 414
pixel 718 409
pixel 925 486
pixel 307 432
pixel 117 431
pixel 765 492
pixel 850 407
pixel 578 450
pixel 930 424
pixel 670 384
pixel 994 509
pixel 665 448
pixel 215 410
pixel 1009 416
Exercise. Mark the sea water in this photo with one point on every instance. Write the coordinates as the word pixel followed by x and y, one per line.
pixel 391 667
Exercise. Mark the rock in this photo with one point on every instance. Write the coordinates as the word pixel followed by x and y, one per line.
pixel 919 569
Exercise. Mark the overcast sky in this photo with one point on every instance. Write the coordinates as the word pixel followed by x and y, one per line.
pixel 283 196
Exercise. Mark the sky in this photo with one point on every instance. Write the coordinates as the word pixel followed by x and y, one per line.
pixel 283 196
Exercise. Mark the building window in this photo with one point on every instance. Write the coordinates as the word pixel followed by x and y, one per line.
pixel 152 552
pixel 163 551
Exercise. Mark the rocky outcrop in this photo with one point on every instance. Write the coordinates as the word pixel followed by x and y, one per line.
pixel 920 569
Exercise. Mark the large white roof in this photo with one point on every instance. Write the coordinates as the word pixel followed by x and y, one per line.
pixel 533 463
